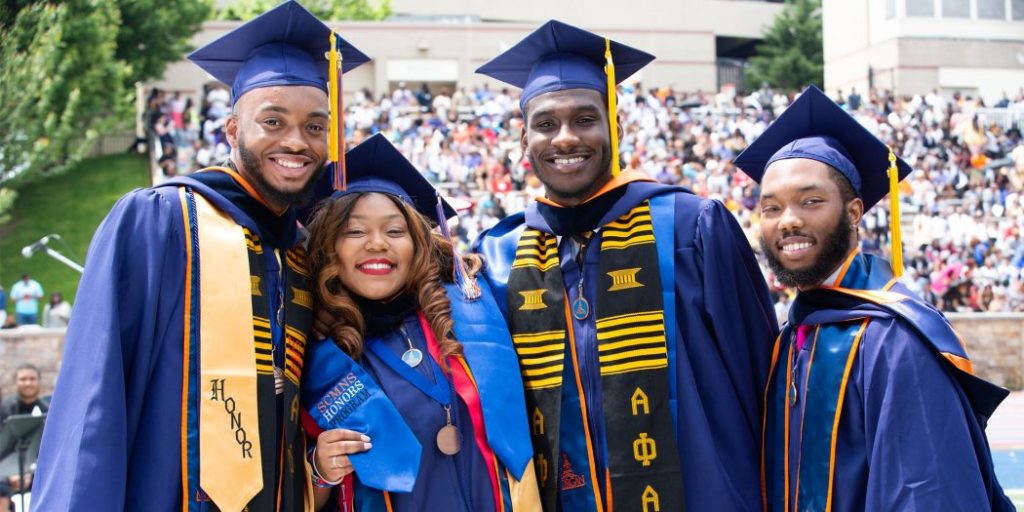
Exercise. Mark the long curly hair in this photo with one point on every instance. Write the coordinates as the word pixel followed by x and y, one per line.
pixel 432 265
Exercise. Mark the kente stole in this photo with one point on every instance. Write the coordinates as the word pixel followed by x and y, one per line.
pixel 643 462
pixel 230 439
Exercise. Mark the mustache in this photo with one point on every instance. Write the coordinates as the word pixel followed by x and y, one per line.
pixel 308 154
pixel 795 233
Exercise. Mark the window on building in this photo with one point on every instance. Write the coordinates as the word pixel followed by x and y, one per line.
pixel 1018 9
pixel 956 8
pixel 992 9
pixel 924 8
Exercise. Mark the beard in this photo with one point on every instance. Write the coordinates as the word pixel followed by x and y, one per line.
pixel 837 247
pixel 582 192
pixel 275 195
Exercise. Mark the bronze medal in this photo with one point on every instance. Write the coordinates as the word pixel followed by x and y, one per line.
pixel 449 440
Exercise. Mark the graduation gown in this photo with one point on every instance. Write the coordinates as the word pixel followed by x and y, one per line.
pixel 491 471
pixel 457 483
pixel 721 328
pixel 113 439
pixel 879 403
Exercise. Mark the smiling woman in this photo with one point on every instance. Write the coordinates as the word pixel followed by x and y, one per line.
pixel 387 295
pixel 374 249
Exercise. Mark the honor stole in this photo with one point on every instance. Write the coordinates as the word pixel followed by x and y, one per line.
pixel 229 402
pixel 813 407
pixel 812 404
pixel 643 461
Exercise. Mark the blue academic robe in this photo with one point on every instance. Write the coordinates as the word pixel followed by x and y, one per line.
pixel 441 482
pixel 911 417
pixel 113 438
pixel 463 476
pixel 719 349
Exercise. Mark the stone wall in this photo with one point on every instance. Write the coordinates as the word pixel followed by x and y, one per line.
pixel 35 345
pixel 995 342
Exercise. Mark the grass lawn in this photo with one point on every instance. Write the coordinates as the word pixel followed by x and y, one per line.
pixel 72 205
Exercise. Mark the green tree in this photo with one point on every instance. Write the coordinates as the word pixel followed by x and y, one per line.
pixel 68 70
pixel 62 86
pixel 324 9
pixel 154 33
pixel 790 57
pixel 7 197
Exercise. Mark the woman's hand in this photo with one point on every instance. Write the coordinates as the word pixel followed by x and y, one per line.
pixel 332 450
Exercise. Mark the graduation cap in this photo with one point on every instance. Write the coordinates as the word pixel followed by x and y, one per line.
pixel 286 45
pixel 558 56
pixel 377 166
pixel 814 127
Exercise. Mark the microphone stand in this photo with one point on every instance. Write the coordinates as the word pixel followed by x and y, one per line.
pixel 20 429
pixel 22 449
pixel 44 244
pixel 63 259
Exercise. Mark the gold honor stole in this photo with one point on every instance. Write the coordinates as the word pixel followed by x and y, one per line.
pixel 235 367
pixel 643 463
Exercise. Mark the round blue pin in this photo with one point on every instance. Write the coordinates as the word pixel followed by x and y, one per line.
pixel 580 309
pixel 412 357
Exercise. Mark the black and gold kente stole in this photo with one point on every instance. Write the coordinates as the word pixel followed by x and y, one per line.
pixel 296 317
pixel 286 448
pixel 643 462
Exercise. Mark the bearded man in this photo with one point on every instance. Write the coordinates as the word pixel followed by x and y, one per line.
pixel 179 386
pixel 871 403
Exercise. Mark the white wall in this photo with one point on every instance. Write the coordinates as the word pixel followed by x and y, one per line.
pixel 913 55
pixel 739 18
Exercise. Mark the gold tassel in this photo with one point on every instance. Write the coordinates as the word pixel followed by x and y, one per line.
pixel 896 236
pixel 332 88
pixel 613 120
pixel 336 134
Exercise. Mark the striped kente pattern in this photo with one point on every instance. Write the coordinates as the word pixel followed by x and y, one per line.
pixel 252 241
pixel 264 345
pixel 294 352
pixel 296 259
pixel 536 250
pixel 541 358
pixel 631 342
pixel 636 340
pixel 633 228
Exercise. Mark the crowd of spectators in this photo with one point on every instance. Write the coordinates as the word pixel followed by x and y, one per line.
pixel 25 295
pixel 963 205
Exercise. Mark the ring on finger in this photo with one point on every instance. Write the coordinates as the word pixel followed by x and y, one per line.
pixel 334 461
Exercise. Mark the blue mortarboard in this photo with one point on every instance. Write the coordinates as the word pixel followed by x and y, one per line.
pixel 558 56
pixel 376 166
pixel 338 393
pixel 815 127
pixel 283 46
